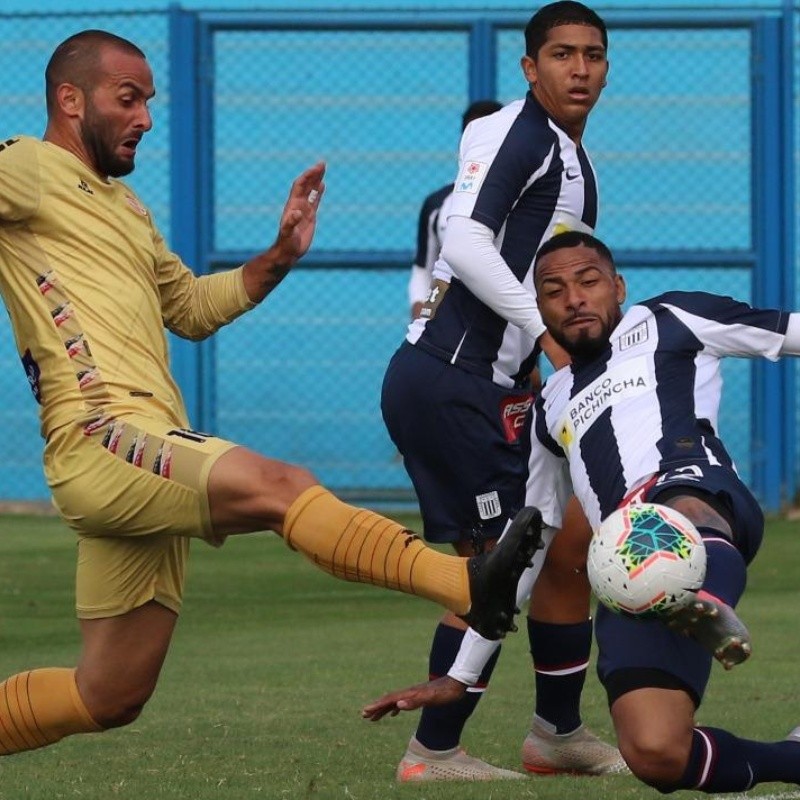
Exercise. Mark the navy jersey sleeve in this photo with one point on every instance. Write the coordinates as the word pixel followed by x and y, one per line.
pixel 511 171
pixel 500 156
pixel 724 326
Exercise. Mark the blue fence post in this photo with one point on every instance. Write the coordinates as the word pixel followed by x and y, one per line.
pixel 184 191
pixel 482 61
pixel 769 380
pixel 790 410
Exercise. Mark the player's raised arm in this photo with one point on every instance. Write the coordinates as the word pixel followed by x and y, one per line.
pixel 296 231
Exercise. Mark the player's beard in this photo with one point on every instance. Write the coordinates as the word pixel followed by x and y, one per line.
pixel 97 137
pixel 586 346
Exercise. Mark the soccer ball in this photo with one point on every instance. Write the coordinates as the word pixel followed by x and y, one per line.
pixel 644 559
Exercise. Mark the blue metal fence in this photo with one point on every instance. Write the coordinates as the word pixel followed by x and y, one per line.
pixel 693 140
pixel 686 156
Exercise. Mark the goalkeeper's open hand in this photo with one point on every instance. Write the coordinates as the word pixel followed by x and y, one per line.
pixel 295 233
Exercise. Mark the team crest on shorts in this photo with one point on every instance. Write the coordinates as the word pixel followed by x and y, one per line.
pixel 488 505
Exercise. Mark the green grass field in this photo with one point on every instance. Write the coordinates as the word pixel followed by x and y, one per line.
pixel 272 661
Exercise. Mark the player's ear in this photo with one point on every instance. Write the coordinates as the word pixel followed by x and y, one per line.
pixel 605 79
pixel 622 290
pixel 70 99
pixel 528 68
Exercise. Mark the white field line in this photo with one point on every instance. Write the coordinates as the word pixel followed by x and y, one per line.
pixel 781 796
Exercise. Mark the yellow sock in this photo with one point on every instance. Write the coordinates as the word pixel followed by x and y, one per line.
pixel 40 707
pixel 359 545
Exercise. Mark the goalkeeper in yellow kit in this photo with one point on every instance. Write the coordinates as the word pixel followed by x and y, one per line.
pixel 90 286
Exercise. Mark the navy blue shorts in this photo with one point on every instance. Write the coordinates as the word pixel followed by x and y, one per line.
pixel 725 492
pixel 625 643
pixel 464 440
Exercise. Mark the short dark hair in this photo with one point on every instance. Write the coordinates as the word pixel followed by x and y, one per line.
pixel 76 60
pixel 478 109
pixel 564 12
pixel 575 239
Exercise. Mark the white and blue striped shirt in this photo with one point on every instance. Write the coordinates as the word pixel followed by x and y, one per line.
pixel 649 403
pixel 525 179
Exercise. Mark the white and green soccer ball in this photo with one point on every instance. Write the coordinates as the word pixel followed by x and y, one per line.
pixel 644 559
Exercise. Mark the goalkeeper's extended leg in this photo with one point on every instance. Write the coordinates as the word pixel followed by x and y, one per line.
pixel 249 492
pixel 359 545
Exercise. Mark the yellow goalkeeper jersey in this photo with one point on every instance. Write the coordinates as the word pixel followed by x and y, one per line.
pixel 90 287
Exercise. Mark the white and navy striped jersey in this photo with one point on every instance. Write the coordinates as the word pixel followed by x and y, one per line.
pixel 649 403
pixel 430 235
pixel 523 177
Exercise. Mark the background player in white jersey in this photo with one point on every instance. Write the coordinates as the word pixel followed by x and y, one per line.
pixel 635 418
pixel 90 286
pixel 433 221
pixel 456 395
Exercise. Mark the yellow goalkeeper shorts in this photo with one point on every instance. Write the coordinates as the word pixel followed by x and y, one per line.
pixel 134 489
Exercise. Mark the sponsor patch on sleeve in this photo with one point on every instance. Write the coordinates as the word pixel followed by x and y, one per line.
pixel 470 177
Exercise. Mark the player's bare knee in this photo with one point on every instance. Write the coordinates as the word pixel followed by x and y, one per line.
pixel 655 761
pixel 118 716
pixel 119 711
pixel 248 491
pixel 282 486
pixel 268 491
pixel 290 481
pixel 114 705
